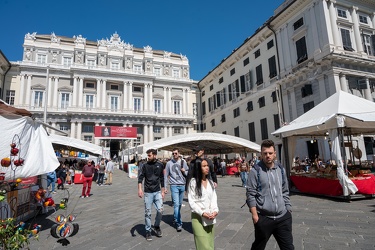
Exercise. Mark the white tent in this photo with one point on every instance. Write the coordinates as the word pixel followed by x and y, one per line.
pixel 342 113
pixel 213 143
pixel 32 141
pixel 76 144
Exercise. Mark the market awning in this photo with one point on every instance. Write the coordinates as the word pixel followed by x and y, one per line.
pixel 214 143
pixel 76 144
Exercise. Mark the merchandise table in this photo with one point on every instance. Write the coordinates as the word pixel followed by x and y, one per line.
pixel 332 187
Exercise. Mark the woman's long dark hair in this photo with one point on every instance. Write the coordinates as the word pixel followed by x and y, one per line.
pixel 196 173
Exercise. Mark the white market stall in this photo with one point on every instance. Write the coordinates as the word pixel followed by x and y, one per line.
pixel 342 114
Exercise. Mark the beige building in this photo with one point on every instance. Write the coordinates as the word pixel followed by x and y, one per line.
pixel 304 53
pixel 77 84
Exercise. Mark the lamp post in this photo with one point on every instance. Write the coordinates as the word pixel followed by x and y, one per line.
pixel 46 98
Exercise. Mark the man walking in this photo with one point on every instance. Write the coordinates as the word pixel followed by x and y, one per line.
pixel 175 174
pixel 267 183
pixel 109 170
pixel 152 173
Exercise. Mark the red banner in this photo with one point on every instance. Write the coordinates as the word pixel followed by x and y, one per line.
pixel 115 132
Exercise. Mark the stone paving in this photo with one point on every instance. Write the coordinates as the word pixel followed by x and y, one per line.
pixel 113 218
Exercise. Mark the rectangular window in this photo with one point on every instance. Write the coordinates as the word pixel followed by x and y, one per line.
pixel 157 71
pixel 114 87
pixel 38 99
pixel 251 127
pixel 270 44
pixel 257 53
pixel 90 85
pixel 157 138
pixel 363 19
pixel 306 90
pixel 264 129
pixel 114 103
pixel 88 129
pixel 272 66
pixel 67 61
pixel 250 106
pixel 41 58
pixel 237 131
pixel 157 129
pixel 341 13
pixel 211 87
pixel 213 123
pixel 298 24
pixel 89 102
pixel 203 108
pixel 246 61
pixel 115 65
pixel 87 138
pixel 346 41
pixel 276 121
pixel 221 80
pixel 232 71
pixel 236 112
pixel 157 106
pixel 176 73
pixel 222 118
pixel 273 95
pixel 211 103
pixel 177 107
pixel 137 68
pixel 259 74
pixel 10 97
pixel 301 50
pixel 248 82
pixel 218 99
pixel 65 100
pixel 137 104
pixel 177 131
pixel 369 43
pixel 203 93
pixel 308 106
pixel 91 63
pixel 64 127
pixel 262 102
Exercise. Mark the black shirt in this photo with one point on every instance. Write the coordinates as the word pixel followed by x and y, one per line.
pixel 153 174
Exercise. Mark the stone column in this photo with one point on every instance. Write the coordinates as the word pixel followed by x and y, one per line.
pixel 52 130
pixel 55 93
pixel 357 35
pixel 169 105
pixel 335 31
pixel 28 91
pixel 294 103
pixel 145 133
pixel 130 99
pixel 373 19
pixel 185 131
pixel 151 133
pixel 145 98
pixel 314 28
pixel 336 81
pixel 75 92
pixel 73 129
pixel 322 88
pixel 50 92
pixel 183 102
pixel 79 130
pixel 125 97
pixel 286 55
pixel 80 93
pixel 151 103
pixel 170 131
pixel 343 82
pixel 368 90
pixel 98 92
pixel 165 110
pixel 165 130
pixel 22 88
pixel 104 95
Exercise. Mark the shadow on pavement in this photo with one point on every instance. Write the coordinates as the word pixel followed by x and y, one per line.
pixel 140 229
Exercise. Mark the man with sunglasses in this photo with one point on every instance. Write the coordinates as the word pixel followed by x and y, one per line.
pixel 175 174
pixel 87 174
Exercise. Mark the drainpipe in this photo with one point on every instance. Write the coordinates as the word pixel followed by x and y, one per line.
pixel 278 76
pixel 3 83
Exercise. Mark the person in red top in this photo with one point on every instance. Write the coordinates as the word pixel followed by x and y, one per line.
pixel 87 174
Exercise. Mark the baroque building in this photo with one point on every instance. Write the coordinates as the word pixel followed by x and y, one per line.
pixel 76 84
pixel 304 53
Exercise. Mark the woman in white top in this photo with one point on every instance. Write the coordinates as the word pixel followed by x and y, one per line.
pixel 203 203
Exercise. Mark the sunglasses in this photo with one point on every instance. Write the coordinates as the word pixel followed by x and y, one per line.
pixel 175 153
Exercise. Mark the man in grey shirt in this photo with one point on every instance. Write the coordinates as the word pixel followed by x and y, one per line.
pixel 175 174
pixel 109 171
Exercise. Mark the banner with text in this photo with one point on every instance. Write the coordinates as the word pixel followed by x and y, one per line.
pixel 115 132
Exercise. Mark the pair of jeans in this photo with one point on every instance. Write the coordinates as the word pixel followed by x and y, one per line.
pixel 177 192
pixel 156 199
pixel 51 181
pixel 100 178
pixel 87 181
pixel 243 178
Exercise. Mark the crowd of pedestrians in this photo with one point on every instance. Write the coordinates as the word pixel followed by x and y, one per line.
pixel 267 194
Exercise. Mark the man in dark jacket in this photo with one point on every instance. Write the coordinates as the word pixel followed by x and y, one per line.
pixel 267 196
pixel 152 174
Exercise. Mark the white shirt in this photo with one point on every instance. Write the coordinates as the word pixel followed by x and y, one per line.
pixel 206 203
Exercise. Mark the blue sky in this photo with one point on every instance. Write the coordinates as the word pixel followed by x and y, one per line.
pixel 206 31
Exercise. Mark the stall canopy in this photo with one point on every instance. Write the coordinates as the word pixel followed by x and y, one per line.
pixel 76 144
pixel 34 146
pixel 213 143
pixel 342 113
pixel 358 115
